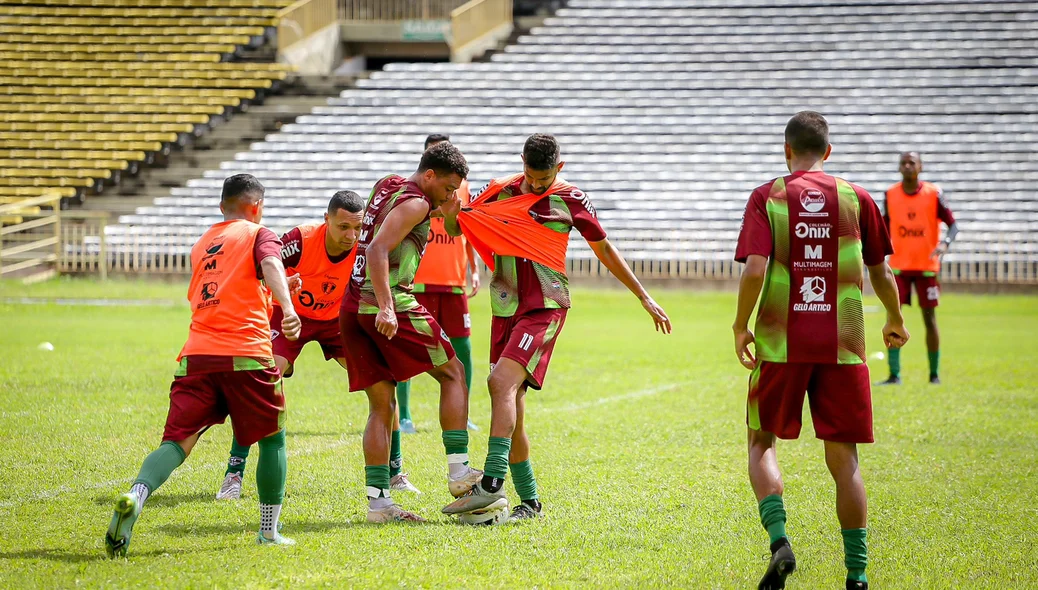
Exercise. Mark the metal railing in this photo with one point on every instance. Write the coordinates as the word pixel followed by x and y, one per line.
pixel 304 18
pixel 397 10
pixel 473 20
pixel 32 239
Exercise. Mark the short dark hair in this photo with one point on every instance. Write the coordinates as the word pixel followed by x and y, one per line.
pixel 436 138
pixel 808 133
pixel 348 200
pixel 444 158
pixel 541 151
pixel 240 185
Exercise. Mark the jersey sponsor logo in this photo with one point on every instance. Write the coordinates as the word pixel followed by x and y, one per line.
pixel 476 194
pixel 585 201
pixel 813 294
pixel 443 335
pixel 813 201
pixel 307 300
pixel 444 238
pixel 211 265
pixel 910 232
pixel 213 249
pixel 290 249
pixel 369 219
pixel 274 335
pixel 358 269
pixel 813 252
pixel 818 231
pixel 209 295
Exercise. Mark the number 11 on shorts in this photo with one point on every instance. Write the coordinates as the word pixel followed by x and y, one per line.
pixel 526 342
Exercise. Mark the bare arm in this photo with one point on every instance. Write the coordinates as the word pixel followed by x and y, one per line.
pixel 393 230
pixel 894 333
pixel 274 277
pixel 470 252
pixel 611 258
pixel 749 290
pixel 450 211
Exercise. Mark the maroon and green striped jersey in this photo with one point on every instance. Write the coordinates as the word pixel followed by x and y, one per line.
pixel 818 232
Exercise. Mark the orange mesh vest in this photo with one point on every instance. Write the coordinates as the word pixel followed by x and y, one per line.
pixel 445 256
pixel 324 281
pixel 230 307
pixel 914 227
pixel 505 228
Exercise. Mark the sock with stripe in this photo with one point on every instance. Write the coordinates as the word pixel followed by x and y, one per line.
pixel 456 444
pixel 239 453
pixel 396 456
pixel 496 468
pixel 376 478
pixel 158 466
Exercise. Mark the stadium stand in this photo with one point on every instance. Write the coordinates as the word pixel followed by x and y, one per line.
pixel 670 112
pixel 92 89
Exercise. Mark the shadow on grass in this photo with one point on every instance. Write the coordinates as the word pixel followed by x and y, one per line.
pixel 162 499
pixel 291 528
pixel 98 555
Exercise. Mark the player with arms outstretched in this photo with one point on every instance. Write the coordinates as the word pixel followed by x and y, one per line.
pixel 227 365
pixel 389 336
pixel 529 301
pixel 914 212
pixel 807 238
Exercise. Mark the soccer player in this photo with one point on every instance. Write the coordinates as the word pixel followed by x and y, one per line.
pixel 227 365
pixel 806 238
pixel 529 301
pixel 322 255
pixel 914 212
pixel 390 337
pixel 440 288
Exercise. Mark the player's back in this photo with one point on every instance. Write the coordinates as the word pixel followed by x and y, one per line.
pixel 230 306
pixel 811 308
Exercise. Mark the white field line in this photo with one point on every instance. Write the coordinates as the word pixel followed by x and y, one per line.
pixel 45 494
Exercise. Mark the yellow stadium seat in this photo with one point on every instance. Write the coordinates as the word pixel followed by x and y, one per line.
pixel 63 90
pixel 64 164
pixel 17 193
pixel 156 118
pixel 148 103
pixel 117 32
pixel 15 136
pixel 173 128
pixel 155 41
pixel 130 71
pixel 170 83
pixel 138 12
pixel 168 3
pixel 47 182
pixel 81 144
pixel 69 155
pixel 53 46
pixel 104 58
pixel 56 173
pixel 201 111
pixel 119 21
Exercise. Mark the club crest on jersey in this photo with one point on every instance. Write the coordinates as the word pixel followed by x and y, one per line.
pixel 327 287
pixel 813 294
pixel 813 201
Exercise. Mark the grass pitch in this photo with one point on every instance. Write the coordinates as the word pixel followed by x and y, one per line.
pixel 638 445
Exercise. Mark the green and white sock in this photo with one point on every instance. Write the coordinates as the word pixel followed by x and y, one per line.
pixel 272 469
pixel 157 468
pixel 496 467
pixel 456 444
pixel 376 478
pixel 239 454
pixel 396 456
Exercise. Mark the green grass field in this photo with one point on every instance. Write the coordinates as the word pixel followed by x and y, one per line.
pixel 638 443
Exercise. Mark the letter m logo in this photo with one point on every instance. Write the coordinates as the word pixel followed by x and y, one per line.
pixel 813 252
pixel 211 265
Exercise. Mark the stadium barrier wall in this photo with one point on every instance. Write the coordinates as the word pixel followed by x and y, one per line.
pixel 300 20
pixel 30 237
pixel 478 26
pixel 397 10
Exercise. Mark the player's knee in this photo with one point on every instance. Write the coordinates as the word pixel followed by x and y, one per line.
pixel 502 386
pixel 452 371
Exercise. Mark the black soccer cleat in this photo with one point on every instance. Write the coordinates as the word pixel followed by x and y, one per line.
pixel 854 585
pixel 781 565
pixel 892 380
pixel 935 380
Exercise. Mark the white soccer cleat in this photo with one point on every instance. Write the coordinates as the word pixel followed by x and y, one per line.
pixel 490 517
pixel 231 488
pixel 461 485
pixel 400 483
pixel 392 513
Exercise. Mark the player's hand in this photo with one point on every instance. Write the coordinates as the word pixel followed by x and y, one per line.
pixel 743 340
pixel 385 323
pixel 475 285
pixel 895 335
pixel 939 251
pixel 659 317
pixel 295 284
pixel 451 207
pixel 291 324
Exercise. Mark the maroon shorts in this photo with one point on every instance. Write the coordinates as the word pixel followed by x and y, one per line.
pixel 326 333
pixel 420 345
pixel 253 399
pixel 527 339
pixel 450 310
pixel 927 287
pixel 840 397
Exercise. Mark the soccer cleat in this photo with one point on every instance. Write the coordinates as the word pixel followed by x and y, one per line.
pixel 400 483
pixel 461 485
pixel 935 380
pixel 231 488
pixel 476 499
pixel 781 565
pixel 525 511
pixel 117 539
pixel 855 585
pixel 392 513
pixel 892 380
pixel 472 425
pixel 407 427
pixel 278 539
